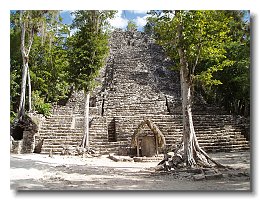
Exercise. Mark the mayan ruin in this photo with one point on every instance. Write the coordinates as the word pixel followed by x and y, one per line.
pixel 135 85
pixel 103 108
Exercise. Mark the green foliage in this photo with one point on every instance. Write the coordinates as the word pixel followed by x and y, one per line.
pixel 14 90
pixel 204 36
pixel 49 69
pixel 234 94
pixel 51 74
pixel 15 66
pixel 207 78
pixel 12 116
pixel 39 105
pixel 217 51
pixel 48 62
pixel 131 26
pixel 150 24
pixel 88 48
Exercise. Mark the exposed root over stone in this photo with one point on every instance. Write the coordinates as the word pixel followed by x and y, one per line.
pixel 204 173
pixel 175 160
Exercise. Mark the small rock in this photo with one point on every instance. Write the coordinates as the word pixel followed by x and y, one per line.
pixel 51 154
pixel 198 177
pixel 213 176
pixel 210 172
pixel 159 168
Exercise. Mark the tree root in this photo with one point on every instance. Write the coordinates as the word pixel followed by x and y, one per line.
pixel 176 160
pixel 219 165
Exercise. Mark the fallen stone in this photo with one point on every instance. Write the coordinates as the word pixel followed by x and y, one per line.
pixel 198 177
pixel 213 176
pixel 120 158
pixel 209 172
pixel 147 159
pixel 159 168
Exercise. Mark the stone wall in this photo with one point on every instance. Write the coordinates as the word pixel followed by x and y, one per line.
pixel 27 144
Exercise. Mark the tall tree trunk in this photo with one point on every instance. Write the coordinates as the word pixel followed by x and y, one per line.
pixel 85 140
pixel 29 90
pixel 193 155
pixel 188 128
pixel 189 152
pixel 21 110
pixel 25 55
pixel 186 92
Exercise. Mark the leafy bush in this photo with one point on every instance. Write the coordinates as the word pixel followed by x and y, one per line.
pixel 12 116
pixel 39 105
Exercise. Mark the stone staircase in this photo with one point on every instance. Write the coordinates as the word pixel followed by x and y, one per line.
pixel 214 132
pixel 57 133
pixel 137 83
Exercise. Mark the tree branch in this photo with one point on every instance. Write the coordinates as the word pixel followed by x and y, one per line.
pixel 183 60
pixel 22 33
pixel 30 42
pixel 197 58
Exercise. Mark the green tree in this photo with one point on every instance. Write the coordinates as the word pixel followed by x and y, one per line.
pixel 15 65
pixel 234 93
pixel 131 26
pixel 49 65
pixel 48 60
pixel 31 23
pixel 88 49
pixel 195 40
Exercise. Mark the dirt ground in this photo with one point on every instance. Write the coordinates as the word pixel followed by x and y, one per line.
pixel 41 172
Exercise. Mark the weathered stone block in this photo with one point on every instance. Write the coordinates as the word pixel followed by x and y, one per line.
pixel 198 177
pixel 16 146
pixel 214 176
pixel 28 142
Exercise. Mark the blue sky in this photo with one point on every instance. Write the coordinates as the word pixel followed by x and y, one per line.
pixel 121 18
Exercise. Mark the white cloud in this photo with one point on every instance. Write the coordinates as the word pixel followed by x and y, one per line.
pixel 121 22
pixel 140 21
pixel 68 13
pixel 64 11
pixel 139 11
pixel 118 21
pixel 72 14
pixel 73 31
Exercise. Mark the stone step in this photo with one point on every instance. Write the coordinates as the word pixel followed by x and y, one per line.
pixel 47 131
pixel 62 138
pixel 57 127
pixel 225 148
pixel 78 134
pixel 218 141
pixel 210 130
pixel 222 144
pixel 55 150
pixel 59 145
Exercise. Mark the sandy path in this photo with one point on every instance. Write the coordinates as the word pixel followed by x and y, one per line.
pixel 40 172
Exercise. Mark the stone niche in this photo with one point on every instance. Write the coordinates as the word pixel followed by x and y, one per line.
pixel 26 145
pixel 148 146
